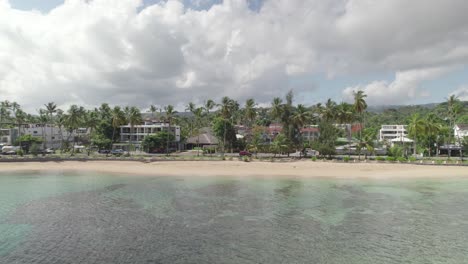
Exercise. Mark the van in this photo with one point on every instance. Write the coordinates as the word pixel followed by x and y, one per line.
pixel 8 150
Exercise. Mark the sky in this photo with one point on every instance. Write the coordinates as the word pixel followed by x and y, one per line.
pixel 143 52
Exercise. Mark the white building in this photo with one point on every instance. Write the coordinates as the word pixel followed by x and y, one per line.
pixel 8 136
pixel 52 135
pixel 310 133
pixel 139 132
pixel 390 132
pixel 460 131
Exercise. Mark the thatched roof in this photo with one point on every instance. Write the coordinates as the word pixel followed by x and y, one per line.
pixel 203 139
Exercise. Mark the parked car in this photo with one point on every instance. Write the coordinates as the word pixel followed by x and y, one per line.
pixel 49 151
pixel 9 150
pixel 104 151
pixel 245 153
pixel 117 152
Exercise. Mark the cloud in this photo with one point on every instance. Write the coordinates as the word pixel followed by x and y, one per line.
pixel 405 87
pixel 461 93
pixel 123 52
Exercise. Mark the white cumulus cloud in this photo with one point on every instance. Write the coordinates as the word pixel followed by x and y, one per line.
pixel 122 52
pixel 406 86
pixel 461 93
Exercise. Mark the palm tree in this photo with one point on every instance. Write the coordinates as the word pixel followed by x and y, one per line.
pixel 43 120
pixel 170 112
pixel 301 116
pixel 73 121
pixel 228 110
pixel 60 121
pixel 432 128
pixel 133 117
pixel 198 122
pixel 415 126
pixel 276 108
pixel 191 108
pixel 20 117
pixel 209 105
pixel 153 110
pixel 118 119
pixel 360 106
pixel 345 115
pixel 92 120
pixel 51 109
pixel 329 111
pixel 279 144
pixel 250 113
pixel 453 110
pixel 4 111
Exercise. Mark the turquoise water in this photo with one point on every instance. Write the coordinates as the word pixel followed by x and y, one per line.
pixel 58 217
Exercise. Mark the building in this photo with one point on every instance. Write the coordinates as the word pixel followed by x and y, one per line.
pixel 310 133
pixel 136 135
pixel 460 131
pixel 8 136
pixel 53 136
pixel 205 139
pixel 389 132
pixel 273 130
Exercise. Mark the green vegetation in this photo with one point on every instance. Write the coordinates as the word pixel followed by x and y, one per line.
pixel 430 126
pixel 157 143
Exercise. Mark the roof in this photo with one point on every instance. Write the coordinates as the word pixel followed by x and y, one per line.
pixel 203 139
pixel 356 127
pixel 310 129
pixel 402 139
pixel 462 126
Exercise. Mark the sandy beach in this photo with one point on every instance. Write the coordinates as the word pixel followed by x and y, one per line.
pixel 246 169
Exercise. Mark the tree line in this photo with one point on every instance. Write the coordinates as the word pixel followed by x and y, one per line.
pixel 428 127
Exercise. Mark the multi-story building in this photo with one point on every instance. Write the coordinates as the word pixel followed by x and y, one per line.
pixel 8 136
pixel 139 132
pixel 389 132
pixel 51 135
pixel 310 133
pixel 460 131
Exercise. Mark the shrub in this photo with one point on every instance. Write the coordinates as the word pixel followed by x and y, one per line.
pixel 34 149
pixel 246 159
pixel 395 151
pixel 380 159
pixel 20 153
pixel 412 159
pixel 402 160
pixel 346 159
pixel 391 159
pixel 313 158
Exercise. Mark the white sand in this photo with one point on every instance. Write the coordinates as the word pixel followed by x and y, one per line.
pixel 245 169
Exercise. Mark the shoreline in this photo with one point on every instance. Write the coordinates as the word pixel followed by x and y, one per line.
pixel 302 169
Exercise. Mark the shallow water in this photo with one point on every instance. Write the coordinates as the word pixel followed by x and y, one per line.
pixel 56 217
